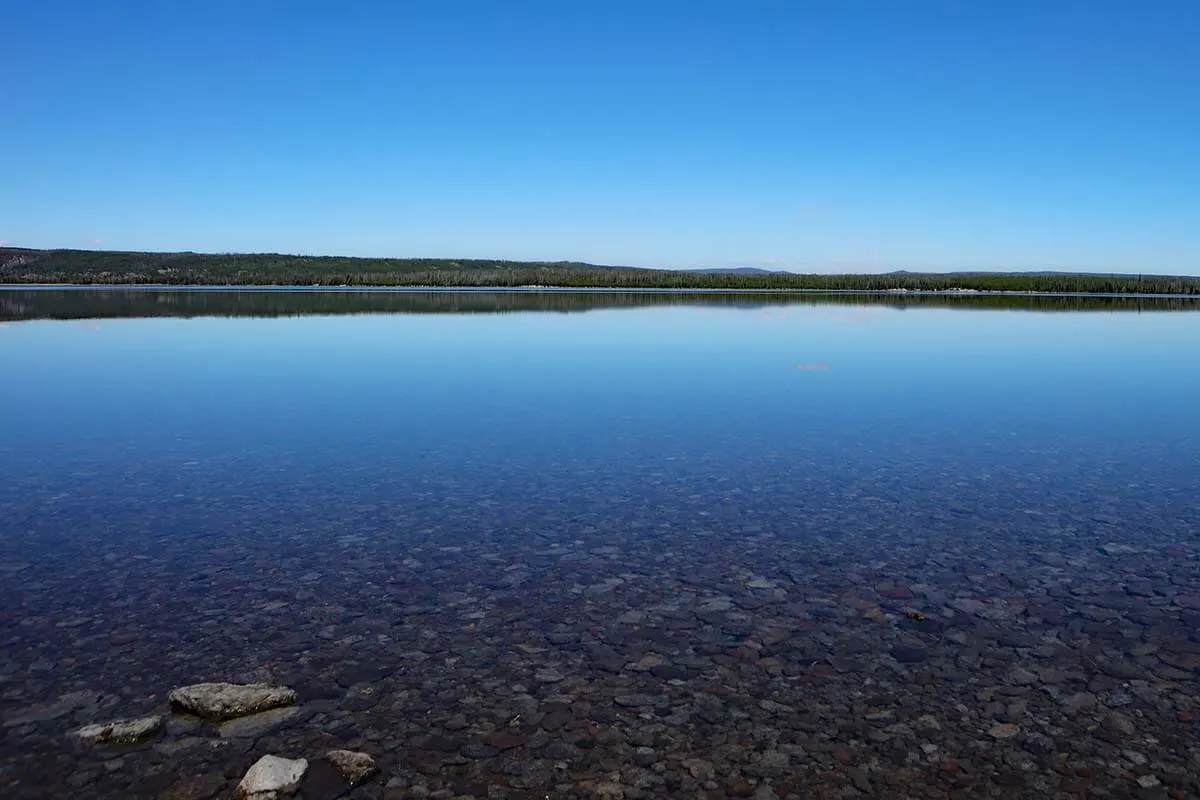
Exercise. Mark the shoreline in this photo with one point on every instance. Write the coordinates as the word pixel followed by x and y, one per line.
pixel 535 289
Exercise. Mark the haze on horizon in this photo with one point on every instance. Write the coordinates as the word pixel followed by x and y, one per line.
pixel 857 136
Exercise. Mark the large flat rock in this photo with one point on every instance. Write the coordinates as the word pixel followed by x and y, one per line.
pixel 124 731
pixel 222 701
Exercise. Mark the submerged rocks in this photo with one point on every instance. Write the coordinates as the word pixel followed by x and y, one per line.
pixel 127 731
pixel 909 653
pixel 548 675
pixel 1004 730
pixel 710 709
pixel 66 704
pixel 222 701
pixel 990 673
pixel 271 778
pixel 255 725
pixel 639 700
pixel 355 767
pixel 1078 702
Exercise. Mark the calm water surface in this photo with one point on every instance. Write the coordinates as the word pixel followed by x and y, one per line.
pixel 702 547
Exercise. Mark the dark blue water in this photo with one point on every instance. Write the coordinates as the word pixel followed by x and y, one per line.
pixel 780 499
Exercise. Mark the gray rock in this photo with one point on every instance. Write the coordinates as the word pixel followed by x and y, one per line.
pixel 256 725
pixel 1010 638
pixel 1004 730
pixel 1078 702
pixel 361 697
pixel 1022 677
pixel 710 709
pixel 1039 744
pixel 909 654
pixel 968 605
pixel 772 707
pixel 271 778
pixel 478 750
pixel 548 675
pixel 456 723
pixel 765 792
pixel 773 764
pixel 645 756
pixel 555 718
pixel 1120 724
pixel 355 767
pixel 506 739
pixel 1134 757
pixel 1122 669
pixel 860 781
pixel 699 769
pixel 126 731
pixel 639 700
pixel 607 659
pixel 670 672
pixel 221 701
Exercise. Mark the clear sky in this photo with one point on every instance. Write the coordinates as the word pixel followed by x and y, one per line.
pixel 831 135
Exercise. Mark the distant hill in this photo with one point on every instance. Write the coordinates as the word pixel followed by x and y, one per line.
pixel 26 266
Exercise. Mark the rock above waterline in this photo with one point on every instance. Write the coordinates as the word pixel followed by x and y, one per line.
pixel 220 701
pixel 355 767
pixel 272 777
pixel 125 731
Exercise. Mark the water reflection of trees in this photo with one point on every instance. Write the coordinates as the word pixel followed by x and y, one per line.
pixel 17 304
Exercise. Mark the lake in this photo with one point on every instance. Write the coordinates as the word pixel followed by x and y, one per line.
pixel 581 544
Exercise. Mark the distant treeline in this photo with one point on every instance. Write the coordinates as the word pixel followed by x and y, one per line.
pixel 196 269
pixel 97 303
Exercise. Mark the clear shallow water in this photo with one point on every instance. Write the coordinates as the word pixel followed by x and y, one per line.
pixel 950 519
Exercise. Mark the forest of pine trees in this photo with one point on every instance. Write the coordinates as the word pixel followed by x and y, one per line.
pixel 22 266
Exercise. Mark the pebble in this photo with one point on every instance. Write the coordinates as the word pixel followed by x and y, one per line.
pixel 1003 730
pixel 548 675
pixel 256 725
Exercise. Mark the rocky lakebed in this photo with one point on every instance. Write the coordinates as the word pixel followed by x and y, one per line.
pixel 588 664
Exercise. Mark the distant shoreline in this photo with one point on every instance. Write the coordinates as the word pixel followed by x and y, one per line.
pixel 400 289
pixel 111 269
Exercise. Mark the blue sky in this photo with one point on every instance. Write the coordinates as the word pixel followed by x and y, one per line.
pixel 833 135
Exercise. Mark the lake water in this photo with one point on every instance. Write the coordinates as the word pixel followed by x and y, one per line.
pixel 529 545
